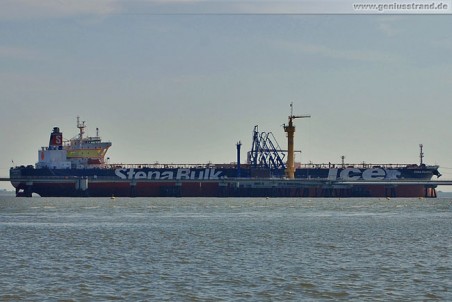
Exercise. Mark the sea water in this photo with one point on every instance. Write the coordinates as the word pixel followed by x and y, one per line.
pixel 225 249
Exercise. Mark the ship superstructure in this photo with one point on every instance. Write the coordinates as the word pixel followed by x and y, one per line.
pixel 77 167
pixel 79 152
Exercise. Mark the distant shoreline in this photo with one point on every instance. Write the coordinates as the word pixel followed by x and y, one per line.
pixel 7 193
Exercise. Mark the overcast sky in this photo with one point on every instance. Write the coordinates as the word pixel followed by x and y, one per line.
pixel 165 81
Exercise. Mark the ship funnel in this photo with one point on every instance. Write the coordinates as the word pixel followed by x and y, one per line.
pixel 56 139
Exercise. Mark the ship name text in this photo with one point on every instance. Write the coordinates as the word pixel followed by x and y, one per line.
pixel 368 174
pixel 178 174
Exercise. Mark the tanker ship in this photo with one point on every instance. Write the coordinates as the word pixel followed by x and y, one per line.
pixel 77 168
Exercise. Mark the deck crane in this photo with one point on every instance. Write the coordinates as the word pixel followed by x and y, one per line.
pixel 290 129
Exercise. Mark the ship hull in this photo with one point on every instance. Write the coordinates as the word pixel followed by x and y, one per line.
pixel 216 190
pixel 216 182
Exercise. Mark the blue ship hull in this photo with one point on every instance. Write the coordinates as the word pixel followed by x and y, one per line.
pixel 218 181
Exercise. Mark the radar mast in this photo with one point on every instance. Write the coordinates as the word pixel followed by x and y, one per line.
pixel 290 129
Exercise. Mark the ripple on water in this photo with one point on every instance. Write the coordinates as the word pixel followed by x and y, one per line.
pixel 225 249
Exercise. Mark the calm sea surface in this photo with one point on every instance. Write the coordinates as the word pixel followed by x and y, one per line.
pixel 188 249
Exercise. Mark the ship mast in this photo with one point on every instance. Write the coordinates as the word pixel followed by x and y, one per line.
pixel 81 127
pixel 290 129
pixel 421 154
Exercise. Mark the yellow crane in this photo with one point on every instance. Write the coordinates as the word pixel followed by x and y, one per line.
pixel 290 129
